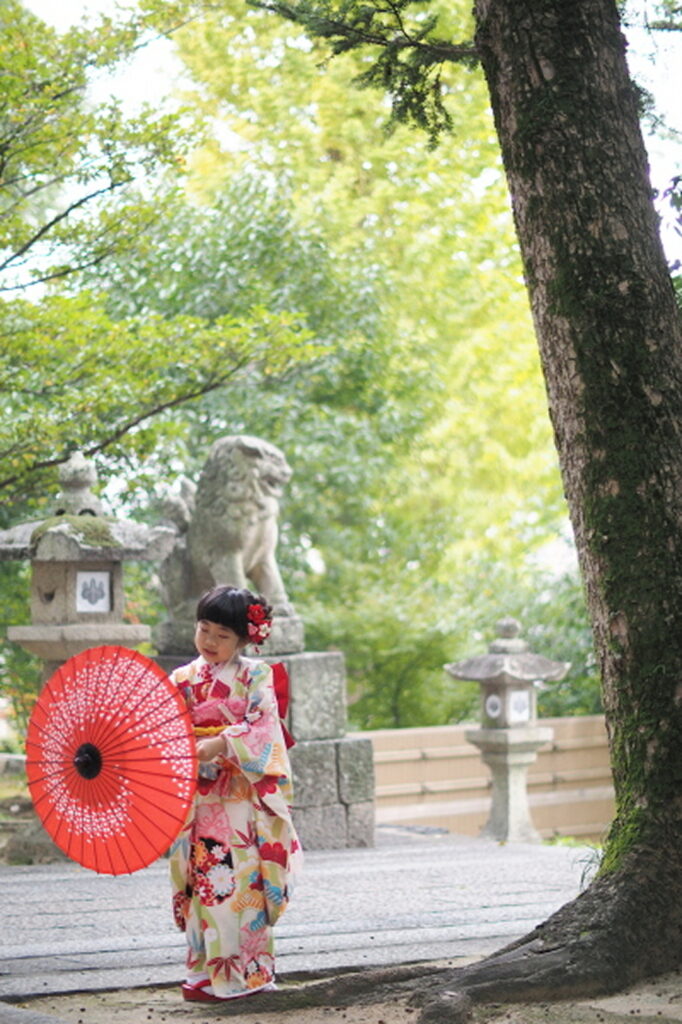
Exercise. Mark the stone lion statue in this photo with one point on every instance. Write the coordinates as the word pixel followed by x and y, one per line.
pixel 227 532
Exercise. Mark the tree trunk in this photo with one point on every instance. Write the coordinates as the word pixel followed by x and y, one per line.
pixel 611 348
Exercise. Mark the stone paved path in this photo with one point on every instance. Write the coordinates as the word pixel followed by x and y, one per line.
pixel 415 896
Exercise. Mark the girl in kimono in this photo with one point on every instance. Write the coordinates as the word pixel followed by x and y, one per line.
pixel 231 865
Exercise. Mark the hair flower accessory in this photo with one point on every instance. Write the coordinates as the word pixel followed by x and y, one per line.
pixel 259 625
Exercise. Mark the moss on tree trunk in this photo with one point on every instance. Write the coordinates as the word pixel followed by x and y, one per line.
pixel 611 347
pixel 609 334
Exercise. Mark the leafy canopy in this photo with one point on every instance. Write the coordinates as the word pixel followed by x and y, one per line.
pixel 416 443
pixel 71 376
pixel 407 56
pixel 64 155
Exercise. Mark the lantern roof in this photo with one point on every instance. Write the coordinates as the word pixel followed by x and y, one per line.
pixel 508 661
pixel 76 530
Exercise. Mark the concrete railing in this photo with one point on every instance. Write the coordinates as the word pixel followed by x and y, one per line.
pixel 434 777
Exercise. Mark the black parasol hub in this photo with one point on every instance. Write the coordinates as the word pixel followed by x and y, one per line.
pixel 88 761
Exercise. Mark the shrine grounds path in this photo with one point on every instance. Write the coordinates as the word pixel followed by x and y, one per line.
pixel 80 947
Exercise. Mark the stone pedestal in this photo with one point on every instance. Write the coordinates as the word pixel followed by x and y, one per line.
pixel 333 793
pixel 508 753
pixel 333 774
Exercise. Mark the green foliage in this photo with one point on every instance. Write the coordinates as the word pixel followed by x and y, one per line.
pixel 558 627
pixel 553 616
pixel 20 672
pixel 359 395
pixel 73 378
pixel 242 251
pixel 395 652
pixel 397 640
pixel 437 224
pixel 416 440
pixel 65 158
pixel 667 16
pixel 416 426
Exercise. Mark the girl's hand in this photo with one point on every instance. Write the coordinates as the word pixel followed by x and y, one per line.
pixel 209 748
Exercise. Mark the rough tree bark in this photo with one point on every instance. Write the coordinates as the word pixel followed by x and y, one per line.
pixel 611 347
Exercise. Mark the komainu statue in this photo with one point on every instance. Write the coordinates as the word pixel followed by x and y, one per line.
pixel 227 533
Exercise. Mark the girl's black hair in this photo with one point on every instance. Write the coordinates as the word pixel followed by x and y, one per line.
pixel 228 606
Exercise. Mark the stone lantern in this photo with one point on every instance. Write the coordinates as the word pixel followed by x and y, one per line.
pixel 77 556
pixel 509 676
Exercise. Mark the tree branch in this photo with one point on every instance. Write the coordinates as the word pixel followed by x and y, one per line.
pixel 406 64
pixel 46 228
pixel 437 50
pixel 130 424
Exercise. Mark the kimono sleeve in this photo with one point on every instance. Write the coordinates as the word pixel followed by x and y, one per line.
pixel 256 743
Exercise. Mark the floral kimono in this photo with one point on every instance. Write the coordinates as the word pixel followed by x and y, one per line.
pixel 232 862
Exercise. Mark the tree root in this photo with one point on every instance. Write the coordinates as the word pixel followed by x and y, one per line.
pixel 624 928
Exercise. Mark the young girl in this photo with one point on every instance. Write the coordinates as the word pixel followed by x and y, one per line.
pixel 232 862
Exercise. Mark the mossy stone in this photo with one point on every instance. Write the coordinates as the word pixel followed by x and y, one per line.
pixel 94 531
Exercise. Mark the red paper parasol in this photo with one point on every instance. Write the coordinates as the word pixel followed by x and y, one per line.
pixel 111 759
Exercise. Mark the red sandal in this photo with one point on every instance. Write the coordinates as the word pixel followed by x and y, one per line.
pixel 196 992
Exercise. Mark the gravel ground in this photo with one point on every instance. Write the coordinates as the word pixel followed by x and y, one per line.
pixel 658 1000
